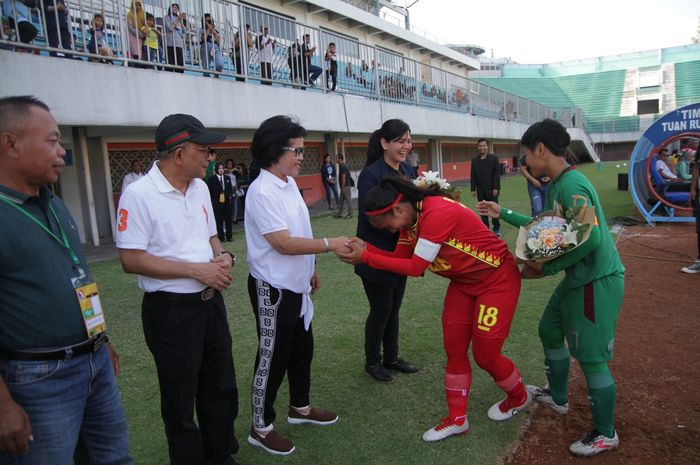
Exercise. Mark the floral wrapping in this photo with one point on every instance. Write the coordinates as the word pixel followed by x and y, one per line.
pixel 554 233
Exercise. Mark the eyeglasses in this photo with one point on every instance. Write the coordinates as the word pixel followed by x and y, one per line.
pixel 299 151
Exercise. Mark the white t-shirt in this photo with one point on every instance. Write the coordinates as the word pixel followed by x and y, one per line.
pixel 155 217
pixel 129 178
pixel 663 167
pixel 266 52
pixel 273 205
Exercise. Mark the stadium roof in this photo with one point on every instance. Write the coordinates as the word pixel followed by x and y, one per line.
pixel 355 18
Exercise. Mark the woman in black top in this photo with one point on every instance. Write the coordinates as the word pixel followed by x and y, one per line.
pixel 387 150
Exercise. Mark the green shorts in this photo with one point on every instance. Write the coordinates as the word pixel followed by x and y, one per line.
pixel 586 316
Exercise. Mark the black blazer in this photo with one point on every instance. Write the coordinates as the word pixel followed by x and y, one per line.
pixel 385 240
pixel 215 191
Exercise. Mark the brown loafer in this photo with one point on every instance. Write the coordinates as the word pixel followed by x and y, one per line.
pixel 316 416
pixel 273 442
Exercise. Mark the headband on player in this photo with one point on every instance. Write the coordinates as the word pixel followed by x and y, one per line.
pixel 381 211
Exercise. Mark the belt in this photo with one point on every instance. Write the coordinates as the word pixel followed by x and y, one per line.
pixel 195 297
pixel 66 353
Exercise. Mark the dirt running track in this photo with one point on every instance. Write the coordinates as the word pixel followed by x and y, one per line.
pixel 656 364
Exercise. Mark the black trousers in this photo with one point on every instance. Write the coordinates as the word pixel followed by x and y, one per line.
pixel 382 325
pixel 485 219
pixel 266 72
pixel 191 345
pixel 175 56
pixel 224 218
pixel 333 76
pixel 284 347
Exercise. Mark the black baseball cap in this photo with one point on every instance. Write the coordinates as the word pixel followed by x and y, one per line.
pixel 178 128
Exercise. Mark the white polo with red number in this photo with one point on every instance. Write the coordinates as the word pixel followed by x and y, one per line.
pixel 155 217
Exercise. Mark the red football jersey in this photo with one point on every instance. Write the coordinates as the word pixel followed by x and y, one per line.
pixel 455 241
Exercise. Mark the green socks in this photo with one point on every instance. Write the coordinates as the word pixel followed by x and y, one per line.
pixel 556 362
pixel 601 396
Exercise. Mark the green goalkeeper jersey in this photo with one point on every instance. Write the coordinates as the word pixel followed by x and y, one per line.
pixel 595 258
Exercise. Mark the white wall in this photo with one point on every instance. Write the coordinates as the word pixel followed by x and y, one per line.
pixel 126 103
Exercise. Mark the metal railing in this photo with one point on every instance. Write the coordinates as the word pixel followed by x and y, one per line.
pixel 234 41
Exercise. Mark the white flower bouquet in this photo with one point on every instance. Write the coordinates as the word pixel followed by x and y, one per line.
pixel 430 178
pixel 554 233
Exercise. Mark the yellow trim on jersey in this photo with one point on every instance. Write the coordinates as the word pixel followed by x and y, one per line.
pixel 481 255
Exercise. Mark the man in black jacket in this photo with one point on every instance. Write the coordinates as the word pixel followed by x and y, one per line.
pixel 486 179
pixel 221 191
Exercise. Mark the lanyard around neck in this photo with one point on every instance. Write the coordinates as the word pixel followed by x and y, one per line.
pixel 63 240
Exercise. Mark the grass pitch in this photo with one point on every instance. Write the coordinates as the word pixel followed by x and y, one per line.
pixel 379 423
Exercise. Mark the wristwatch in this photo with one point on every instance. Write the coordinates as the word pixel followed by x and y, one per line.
pixel 233 257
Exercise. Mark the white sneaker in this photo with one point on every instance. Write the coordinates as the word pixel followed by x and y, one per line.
pixel 544 396
pixel 445 429
pixel 505 410
pixel 694 268
pixel 594 443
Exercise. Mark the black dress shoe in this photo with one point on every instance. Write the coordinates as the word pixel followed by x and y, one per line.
pixel 401 365
pixel 379 373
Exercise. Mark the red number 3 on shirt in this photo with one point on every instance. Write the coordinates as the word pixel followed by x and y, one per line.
pixel 123 218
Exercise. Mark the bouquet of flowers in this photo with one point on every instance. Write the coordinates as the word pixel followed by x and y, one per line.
pixel 553 233
pixel 429 178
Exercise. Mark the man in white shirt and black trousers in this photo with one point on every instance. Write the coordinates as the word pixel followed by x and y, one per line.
pixel 166 234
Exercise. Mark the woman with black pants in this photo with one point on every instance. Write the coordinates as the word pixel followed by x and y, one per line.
pixel 387 150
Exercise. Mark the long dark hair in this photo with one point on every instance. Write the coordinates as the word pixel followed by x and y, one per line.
pixel 391 130
pixel 385 193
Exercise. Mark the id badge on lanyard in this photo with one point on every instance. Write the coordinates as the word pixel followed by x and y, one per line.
pixel 90 305
pixel 85 288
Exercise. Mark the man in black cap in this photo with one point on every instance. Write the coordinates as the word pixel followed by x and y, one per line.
pixel 166 234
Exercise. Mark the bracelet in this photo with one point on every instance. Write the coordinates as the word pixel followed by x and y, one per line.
pixel 325 243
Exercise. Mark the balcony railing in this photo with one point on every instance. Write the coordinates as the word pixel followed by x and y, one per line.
pixel 238 42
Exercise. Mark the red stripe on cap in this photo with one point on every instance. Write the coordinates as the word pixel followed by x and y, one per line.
pixel 179 137
pixel 381 211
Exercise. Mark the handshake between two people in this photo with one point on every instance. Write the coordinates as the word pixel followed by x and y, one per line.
pixel 349 250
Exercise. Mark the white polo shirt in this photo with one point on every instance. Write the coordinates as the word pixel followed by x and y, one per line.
pixel 273 205
pixel 155 217
pixel 663 167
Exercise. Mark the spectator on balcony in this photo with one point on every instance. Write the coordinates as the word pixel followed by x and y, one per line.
pixel 152 48
pixel 266 51
pixel 331 62
pixel 97 43
pixel 310 72
pixel 237 51
pixel 57 26
pixel 294 63
pixel 210 45
pixel 18 16
pixel 175 23
pixel 136 24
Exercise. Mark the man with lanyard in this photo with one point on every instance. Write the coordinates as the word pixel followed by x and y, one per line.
pixel 56 379
pixel 166 234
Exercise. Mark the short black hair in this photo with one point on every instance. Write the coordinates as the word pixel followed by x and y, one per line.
pixel 481 140
pixel 273 134
pixel 549 132
pixel 340 157
pixel 150 16
pixel 15 109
